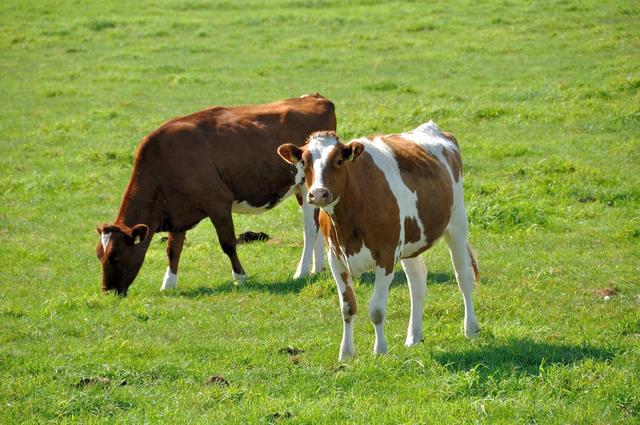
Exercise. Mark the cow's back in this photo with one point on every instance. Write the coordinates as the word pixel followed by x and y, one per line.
pixel 220 151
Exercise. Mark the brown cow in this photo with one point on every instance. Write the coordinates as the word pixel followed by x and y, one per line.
pixel 210 164
pixel 386 199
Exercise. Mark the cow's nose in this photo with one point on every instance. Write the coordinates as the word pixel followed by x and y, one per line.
pixel 318 196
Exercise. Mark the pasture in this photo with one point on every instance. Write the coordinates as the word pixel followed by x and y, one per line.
pixel 544 99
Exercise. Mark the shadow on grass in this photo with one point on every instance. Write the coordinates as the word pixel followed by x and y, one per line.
pixel 519 356
pixel 289 286
pixel 399 278
pixel 293 286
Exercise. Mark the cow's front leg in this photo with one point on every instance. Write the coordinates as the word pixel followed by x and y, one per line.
pixel 175 242
pixel 223 222
pixel 378 307
pixel 310 233
pixel 348 305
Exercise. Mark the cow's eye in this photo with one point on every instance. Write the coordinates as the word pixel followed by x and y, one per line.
pixel 339 162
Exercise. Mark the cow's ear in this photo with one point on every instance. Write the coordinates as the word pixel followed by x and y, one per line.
pixel 139 233
pixel 290 153
pixel 352 151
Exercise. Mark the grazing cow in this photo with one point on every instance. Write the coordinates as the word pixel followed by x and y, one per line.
pixel 385 199
pixel 210 164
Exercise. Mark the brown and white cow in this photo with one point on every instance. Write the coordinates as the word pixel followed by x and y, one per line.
pixel 385 199
pixel 210 164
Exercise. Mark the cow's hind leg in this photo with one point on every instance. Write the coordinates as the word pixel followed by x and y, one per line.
pixel 378 307
pixel 465 268
pixel 417 280
pixel 174 249
pixel 223 222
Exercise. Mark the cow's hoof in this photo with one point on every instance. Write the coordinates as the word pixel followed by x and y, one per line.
pixel 170 280
pixel 346 355
pixel 413 340
pixel 472 332
pixel 239 278
pixel 300 273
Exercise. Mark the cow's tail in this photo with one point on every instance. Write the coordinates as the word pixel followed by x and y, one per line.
pixel 474 264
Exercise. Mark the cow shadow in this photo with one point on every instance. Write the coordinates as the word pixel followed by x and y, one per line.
pixel 520 356
pixel 294 286
pixel 282 287
pixel 399 278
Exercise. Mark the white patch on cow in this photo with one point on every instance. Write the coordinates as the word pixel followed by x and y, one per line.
pixel 406 199
pixel 310 233
pixel 105 238
pixel 245 208
pixel 347 349
pixel 299 177
pixel 378 307
pixel 360 262
pixel 318 252
pixel 170 280
pixel 320 147
pixel 430 138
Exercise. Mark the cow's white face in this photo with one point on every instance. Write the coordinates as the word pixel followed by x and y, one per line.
pixel 324 160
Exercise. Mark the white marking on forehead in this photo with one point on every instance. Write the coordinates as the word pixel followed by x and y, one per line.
pixel 105 238
pixel 320 147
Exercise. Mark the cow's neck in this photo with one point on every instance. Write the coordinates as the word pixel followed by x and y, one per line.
pixel 139 204
pixel 345 218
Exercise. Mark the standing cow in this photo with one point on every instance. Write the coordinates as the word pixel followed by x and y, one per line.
pixel 385 199
pixel 210 164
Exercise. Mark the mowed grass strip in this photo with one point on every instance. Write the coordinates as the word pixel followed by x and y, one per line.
pixel 544 99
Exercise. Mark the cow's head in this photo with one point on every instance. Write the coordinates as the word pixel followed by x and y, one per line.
pixel 325 162
pixel 121 251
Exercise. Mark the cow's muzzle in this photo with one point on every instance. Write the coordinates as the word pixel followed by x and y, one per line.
pixel 319 197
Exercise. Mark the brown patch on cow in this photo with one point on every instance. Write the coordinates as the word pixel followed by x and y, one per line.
pixel 453 158
pixel 474 264
pixel 424 174
pixel 451 137
pixel 349 297
pixel 358 183
pixel 299 199
pixel 411 230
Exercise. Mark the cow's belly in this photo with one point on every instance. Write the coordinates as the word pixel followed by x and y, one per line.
pixel 246 207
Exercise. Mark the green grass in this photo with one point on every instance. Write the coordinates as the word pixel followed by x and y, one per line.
pixel 544 98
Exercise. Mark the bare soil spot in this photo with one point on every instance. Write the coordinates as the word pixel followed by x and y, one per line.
pixel 216 380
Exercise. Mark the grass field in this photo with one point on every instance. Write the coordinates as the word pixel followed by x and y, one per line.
pixel 544 99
